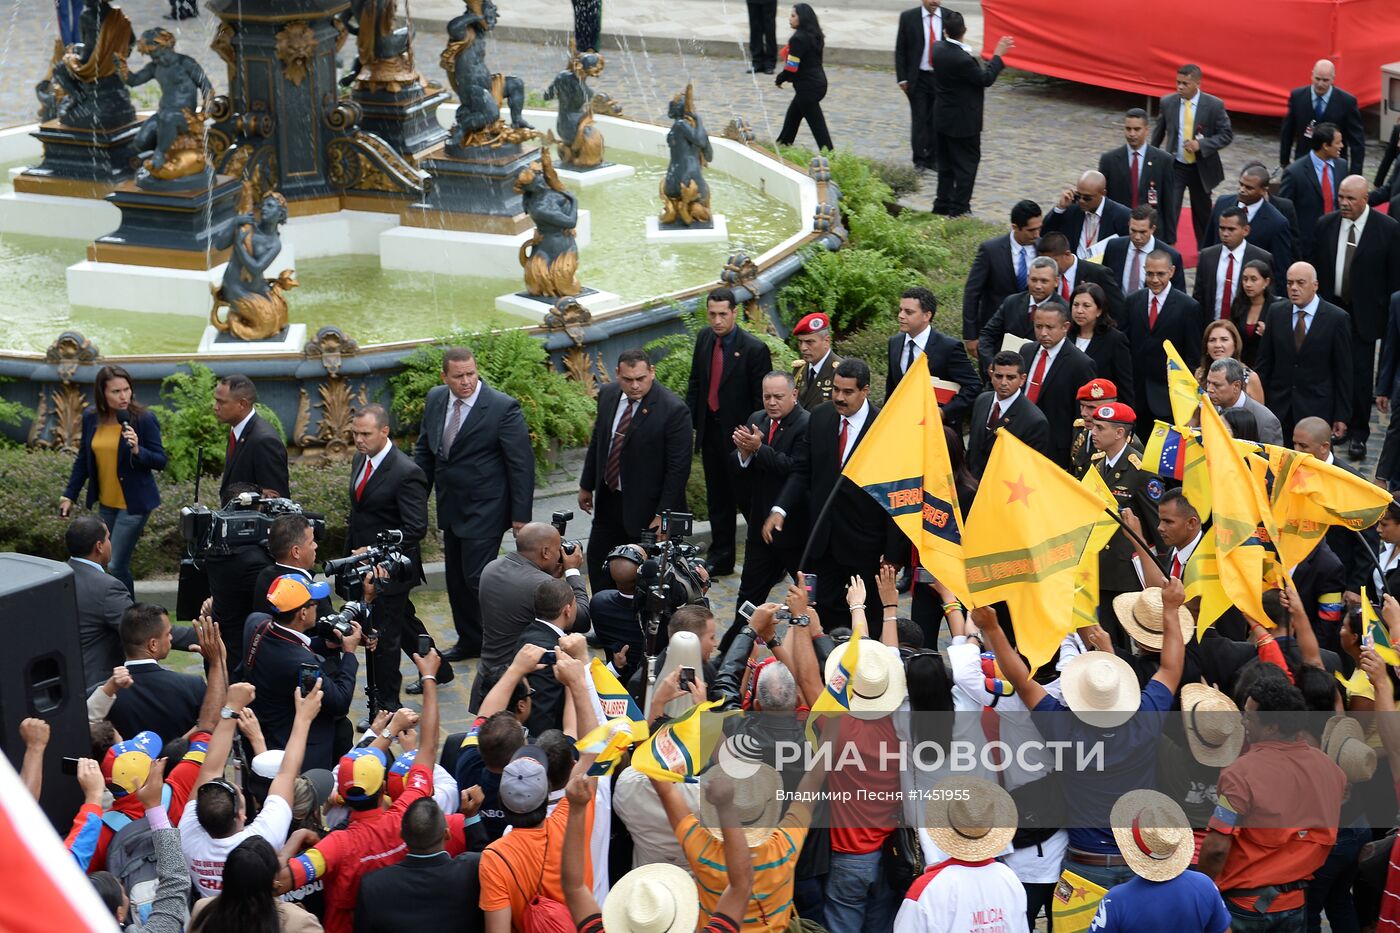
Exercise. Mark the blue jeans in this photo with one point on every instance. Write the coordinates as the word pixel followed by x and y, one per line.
pixel 1280 921
pixel 1101 876
pixel 858 898
pixel 1330 887
pixel 125 528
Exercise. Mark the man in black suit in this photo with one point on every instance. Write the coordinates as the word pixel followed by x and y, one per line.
pixel 961 82
pixel 388 492
pixel 1056 368
pixel 640 443
pixel 1387 387
pixel 1086 215
pixel 1004 406
pixel 857 532
pixel 920 29
pixel 161 700
pixel 816 364
pixel 768 453
pixel 1314 436
pixel 1074 272
pixel 1356 253
pixel 1311 182
pixel 763 36
pixel 1139 175
pixel 1218 267
pixel 1305 359
pixel 1322 102
pixel 428 890
pixel 1268 228
pixel 255 454
pixel 1014 315
pixel 947 359
pixel 1193 126
pixel 101 597
pixel 1000 269
pixel 726 385
pixel 554 618
pixel 475 452
pixel 1126 257
pixel 1156 314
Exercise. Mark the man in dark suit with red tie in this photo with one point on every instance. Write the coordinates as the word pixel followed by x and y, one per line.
pixel 947 360
pixel 1322 102
pixel 919 30
pixel 1014 315
pixel 1074 272
pixel 1000 269
pixel 1218 267
pixel 1057 369
pixel 1156 314
pixel 1269 229
pixel 1141 175
pixel 1126 257
pixel 255 454
pixel 726 386
pixel 1004 405
pixel 1311 182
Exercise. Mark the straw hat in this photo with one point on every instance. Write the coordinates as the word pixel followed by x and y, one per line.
pixel 1101 689
pixel 877 683
pixel 1153 835
pixel 656 898
pixel 757 803
pixel 1345 743
pixel 1214 727
pixel 1141 615
pixel 970 818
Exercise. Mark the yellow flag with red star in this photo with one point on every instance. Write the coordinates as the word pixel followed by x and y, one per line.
pixel 1086 575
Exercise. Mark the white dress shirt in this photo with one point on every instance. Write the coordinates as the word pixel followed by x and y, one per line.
pixel 1342 232
pixel 1028 251
pixel 1309 311
pixel 1251 209
pixel 1221 268
pixel 467 404
pixel 1195 103
pixel 815 368
pixel 238 428
pixel 857 424
pixel 1140 256
pixel 376 461
pixel 920 342
pixel 1002 406
pixel 926 63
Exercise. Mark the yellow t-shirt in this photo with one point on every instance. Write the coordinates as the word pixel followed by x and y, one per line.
pixel 774 863
pixel 105 442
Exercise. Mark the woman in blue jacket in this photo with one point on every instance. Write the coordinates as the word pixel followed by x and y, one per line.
pixel 119 450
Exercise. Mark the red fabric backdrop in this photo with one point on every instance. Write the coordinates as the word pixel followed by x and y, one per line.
pixel 1252 51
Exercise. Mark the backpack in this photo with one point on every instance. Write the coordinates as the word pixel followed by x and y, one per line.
pixel 543 914
pixel 131 856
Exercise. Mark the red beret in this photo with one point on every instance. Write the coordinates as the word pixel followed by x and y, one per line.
pixel 1096 390
pixel 1115 413
pixel 814 323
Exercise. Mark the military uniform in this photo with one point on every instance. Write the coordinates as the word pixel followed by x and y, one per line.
pixel 809 392
pixel 1081 448
pixel 1132 488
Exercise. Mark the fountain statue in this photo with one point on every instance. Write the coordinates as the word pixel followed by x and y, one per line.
pixel 383 52
pixel 396 103
pixel 580 142
pixel 685 196
pixel 550 257
pixel 256 306
pixel 480 92
pixel 174 135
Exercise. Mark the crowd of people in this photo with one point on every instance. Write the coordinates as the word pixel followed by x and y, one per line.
pixel 642 757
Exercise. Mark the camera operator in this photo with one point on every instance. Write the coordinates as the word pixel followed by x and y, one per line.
pixel 283 654
pixel 233 580
pixel 508 586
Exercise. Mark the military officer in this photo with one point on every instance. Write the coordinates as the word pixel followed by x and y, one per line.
pixel 1090 396
pixel 1118 459
pixel 817 367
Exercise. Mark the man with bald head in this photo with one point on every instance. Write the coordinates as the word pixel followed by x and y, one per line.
pixel 1086 215
pixel 1322 102
pixel 1314 436
pixel 1305 356
pixel 1356 252
pixel 1269 229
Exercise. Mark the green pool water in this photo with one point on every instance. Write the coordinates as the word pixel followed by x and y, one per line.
pixel 376 306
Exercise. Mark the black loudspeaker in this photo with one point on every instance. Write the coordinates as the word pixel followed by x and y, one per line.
pixel 41 674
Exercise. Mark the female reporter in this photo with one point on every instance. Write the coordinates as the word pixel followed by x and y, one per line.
pixel 117 456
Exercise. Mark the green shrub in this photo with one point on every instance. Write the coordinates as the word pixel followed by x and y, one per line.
pixel 672 354
pixel 187 422
pixel 907 242
pixel 695 492
pixel 852 286
pixel 871 344
pixel 900 176
pixel 513 362
pixel 13 414
pixel 859 183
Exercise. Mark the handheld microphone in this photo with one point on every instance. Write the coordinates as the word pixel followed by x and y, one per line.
pixel 123 417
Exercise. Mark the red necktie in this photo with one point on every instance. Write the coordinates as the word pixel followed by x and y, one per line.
pixel 841 442
pixel 1326 190
pixel 1134 171
pixel 360 487
pixel 716 373
pixel 1030 314
pixel 1152 314
pixel 772 430
pixel 232 443
pixel 1033 391
pixel 612 473
pixel 1225 290
pixel 1064 288
pixel 996 416
pixel 932 36
pixel 1176 567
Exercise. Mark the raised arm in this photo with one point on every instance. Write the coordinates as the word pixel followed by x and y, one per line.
pixel 525 663
pixel 738 862
pixel 1030 692
pixel 1173 656
pixel 577 895
pixel 307 709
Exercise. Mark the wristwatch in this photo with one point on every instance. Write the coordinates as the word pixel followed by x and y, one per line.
pixel 387 734
pixel 228 712
pixel 771 645
pixel 801 621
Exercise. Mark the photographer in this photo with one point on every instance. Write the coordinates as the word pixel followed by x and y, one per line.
pixel 282 655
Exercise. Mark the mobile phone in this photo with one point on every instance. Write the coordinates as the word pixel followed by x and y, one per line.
pixel 425 644
pixel 549 657
pixel 784 614
pixel 68 765
pixel 687 678
pixel 747 610
pixel 810 581
pixel 307 675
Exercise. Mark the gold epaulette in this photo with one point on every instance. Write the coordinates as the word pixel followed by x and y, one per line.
pixel 1135 460
pixel 1097 455
pixel 798 364
pixel 1079 422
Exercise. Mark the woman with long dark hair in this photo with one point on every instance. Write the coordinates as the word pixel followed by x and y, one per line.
pixel 1095 333
pixel 118 452
pixel 245 903
pixel 802 65
pixel 1249 304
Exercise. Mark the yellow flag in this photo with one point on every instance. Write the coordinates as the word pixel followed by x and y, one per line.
pixel 913 481
pixel 1240 510
pixel 1308 496
pixel 1375 633
pixel 1075 902
pixel 1024 540
pixel 613 697
pixel 836 695
pixel 610 740
pixel 1086 575
pixel 1182 388
pixel 679 750
pixel 1201 579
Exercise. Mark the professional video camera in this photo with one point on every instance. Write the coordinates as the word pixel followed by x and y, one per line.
pixel 669 578
pixel 560 520
pixel 386 553
pixel 244 520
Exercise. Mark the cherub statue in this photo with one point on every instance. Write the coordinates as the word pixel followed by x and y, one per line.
pixel 550 258
pixel 580 142
pixel 383 49
pixel 256 306
pixel 479 91
pixel 174 135
pixel 90 91
pixel 685 196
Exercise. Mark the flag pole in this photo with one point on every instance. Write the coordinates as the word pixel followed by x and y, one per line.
pixel 1375 562
pixel 821 517
pixel 1158 559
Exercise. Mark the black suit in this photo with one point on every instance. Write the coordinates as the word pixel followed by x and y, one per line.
pixel 961 81
pixel 745 360
pixel 910 44
pixel 1117 253
pixel 1179 320
pixel 1212 128
pixel 1269 230
pixel 655 464
pixel 435 892
pixel 1290 213
pixel 1388 385
pixel 991 280
pixel 1100 275
pixel 1341 111
pixel 1301 185
pixel 1022 418
pixel 1208 270
pixel 395 498
pixel 163 701
pixel 1156 183
pixel 1113 360
pixel 102 599
pixel 259 458
pixel 547 698
pixel 1013 317
pixel 1113 221
pixel 1314 381
pixel 233 584
pixel 947 360
pixel 273 657
pixel 1375 276
pixel 484 484
pixel 763 34
pixel 1069 370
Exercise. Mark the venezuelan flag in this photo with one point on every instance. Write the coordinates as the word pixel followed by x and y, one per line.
pixel 1376 633
pixel 1165 452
